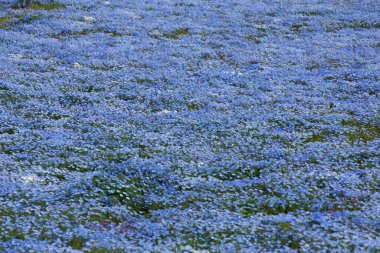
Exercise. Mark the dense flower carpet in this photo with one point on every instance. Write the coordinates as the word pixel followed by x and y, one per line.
pixel 190 126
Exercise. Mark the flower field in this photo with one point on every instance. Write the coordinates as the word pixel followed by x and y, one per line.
pixel 190 126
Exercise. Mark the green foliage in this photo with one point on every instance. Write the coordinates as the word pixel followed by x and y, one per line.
pixel 362 131
pixel 317 137
pixel 177 34
pixel 253 38
pixel 354 24
pixel 8 21
pixel 77 242
pixel 313 65
pixel 298 27
pixel 37 5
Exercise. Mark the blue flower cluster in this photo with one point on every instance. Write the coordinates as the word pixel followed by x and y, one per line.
pixel 190 126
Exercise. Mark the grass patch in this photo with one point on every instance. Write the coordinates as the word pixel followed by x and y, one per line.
pixel 313 65
pixel 252 38
pixel 77 242
pixel 47 7
pixel 298 27
pixel 310 13
pixel 317 137
pixel 144 80
pixel 36 5
pixel 4 19
pixel 355 24
pixel 251 207
pixel 84 32
pixel 6 22
pixel 362 131
pixel 73 34
pixel 193 106
pixel 177 34
pixel 9 131
pixel 300 82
